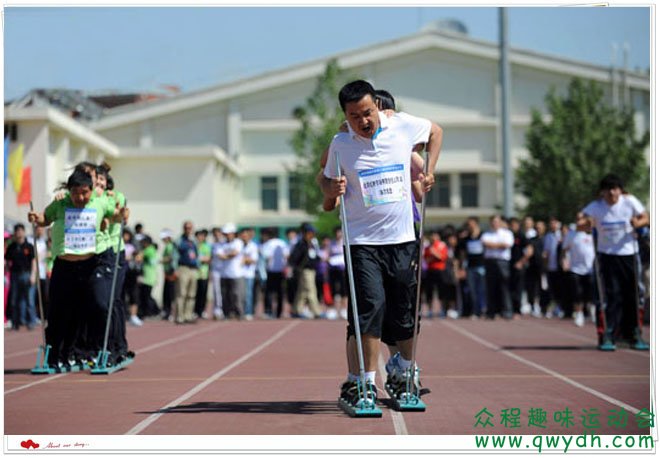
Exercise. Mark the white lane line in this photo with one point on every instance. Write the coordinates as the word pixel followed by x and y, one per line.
pixel 20 353
pixel 557 375
pixel 38 382
pixel 397 417
pixel 144 350
pixel 190 393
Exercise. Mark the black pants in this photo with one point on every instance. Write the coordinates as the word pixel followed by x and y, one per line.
pixel 621 307
pixel 274 285
pixel 497 288
pixel 533 285
pixel 169 295
pixel 516 286
pixel 231 297
pixel 146 304
pixel 70 294
pixel 200 296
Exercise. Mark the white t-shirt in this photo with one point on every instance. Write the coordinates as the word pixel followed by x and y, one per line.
pixel 233 267
pixel 615 233
pixel 501 236
pixel 275 252
pixel 378 201
pixel 250 251
pixel 217 264
pixel 580 249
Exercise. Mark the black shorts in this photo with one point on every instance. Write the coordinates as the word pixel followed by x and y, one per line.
pixel 582 288
pixel 385 288
pixel 338 281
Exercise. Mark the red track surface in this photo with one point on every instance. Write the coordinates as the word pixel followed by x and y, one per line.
pixel 283 377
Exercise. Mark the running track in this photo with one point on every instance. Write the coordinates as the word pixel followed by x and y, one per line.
pixel 282 377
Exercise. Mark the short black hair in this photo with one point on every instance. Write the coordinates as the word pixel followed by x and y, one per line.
pixel 611 181
pixel 79 178
pixel 385 100
pixel 18 226
pixel 354 92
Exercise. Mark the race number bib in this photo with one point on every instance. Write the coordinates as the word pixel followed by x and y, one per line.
pixel 382 185
pixel 614 232
pixel 80 230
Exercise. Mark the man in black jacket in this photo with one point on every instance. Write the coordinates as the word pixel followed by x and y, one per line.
pixel 304 259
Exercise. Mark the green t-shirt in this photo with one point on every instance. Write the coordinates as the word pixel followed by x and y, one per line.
pixel 203 249
pixel 114 230
pixel 75 229
pixel 149 265
pixel 170 258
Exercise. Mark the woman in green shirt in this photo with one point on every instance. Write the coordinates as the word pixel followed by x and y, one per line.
pixel 76 218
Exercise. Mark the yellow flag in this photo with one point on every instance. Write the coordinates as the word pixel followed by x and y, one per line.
pixel 15 167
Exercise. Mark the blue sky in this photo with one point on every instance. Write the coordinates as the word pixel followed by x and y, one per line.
pixel 136 49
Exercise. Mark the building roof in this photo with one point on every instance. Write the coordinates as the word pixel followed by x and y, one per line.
pixel 430 38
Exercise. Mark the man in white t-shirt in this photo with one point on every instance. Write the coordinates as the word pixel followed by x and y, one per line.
pixel 231 283
pixel 374 159
pixel 274 252
pixel 615 216
pixel 497 243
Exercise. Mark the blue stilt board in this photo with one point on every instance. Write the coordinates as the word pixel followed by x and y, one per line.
pixel 360 411
pixel 405 402
pixel 103 368
pixel 41 367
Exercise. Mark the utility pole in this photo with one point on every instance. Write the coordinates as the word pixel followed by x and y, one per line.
pixel 505 81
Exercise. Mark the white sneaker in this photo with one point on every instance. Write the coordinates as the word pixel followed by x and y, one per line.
pixel 343 313
pixel 453 314
pixel 579 319
pixel 249 317
pixel 536 312
pixel 331 314
pixel 135 321
pixel 525 309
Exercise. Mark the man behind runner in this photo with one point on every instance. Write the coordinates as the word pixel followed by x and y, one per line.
pixel 374 157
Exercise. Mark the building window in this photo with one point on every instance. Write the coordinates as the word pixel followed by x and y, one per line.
pixel 295 192
pixel 469 190
pixel 439 195
pixel 269 195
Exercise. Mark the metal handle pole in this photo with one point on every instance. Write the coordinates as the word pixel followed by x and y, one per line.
pixel 112 289
pixel 38 281
pixel 351 287
pixel 413 362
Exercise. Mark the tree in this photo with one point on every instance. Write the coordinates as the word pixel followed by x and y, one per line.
pixel 320 118
pixel 584 140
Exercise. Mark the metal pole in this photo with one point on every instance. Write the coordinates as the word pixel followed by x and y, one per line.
pixel 112 295
pixel 351 287
pixel 38 282
pixel 413 364
pixel 505 81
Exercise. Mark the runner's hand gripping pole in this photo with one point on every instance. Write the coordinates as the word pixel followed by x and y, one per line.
pixel 41 366
pixel 368 407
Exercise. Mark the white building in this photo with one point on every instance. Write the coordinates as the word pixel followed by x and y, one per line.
pixel 222 154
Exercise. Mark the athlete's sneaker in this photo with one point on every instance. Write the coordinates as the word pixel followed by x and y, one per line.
pixel 392 363
pixel 607 345
pixel 135 321
pixel 640 345
pixel 351 393
pixel 579 319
